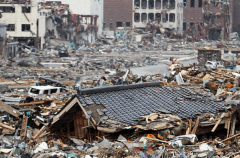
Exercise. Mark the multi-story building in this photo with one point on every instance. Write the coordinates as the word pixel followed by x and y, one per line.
pixel 214 16
pixel 117 14
pixel 21 17
pixel 168 13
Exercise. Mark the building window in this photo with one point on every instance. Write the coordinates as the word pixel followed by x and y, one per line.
pixel 191 24
pixel 184 26
pixel 118 24
pixel 137 3
pixel 158 16
pixel 150 4
pixel 128 24
pixel 158 4
pixel 172 17
pixel 150 16
pixel 200 3
pixel 165 19
pixel 184 3
pixel 104 26
pixel 144 17
pixel 111 26
pixel 144 4
pixel 11 27
pixel 26 9
pixel 25 27
pixel 192 3
pixel 136 17
pixel 172 4
pixel 7 9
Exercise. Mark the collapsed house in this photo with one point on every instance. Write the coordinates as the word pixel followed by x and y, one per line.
pixel 61 25
pixel 140 106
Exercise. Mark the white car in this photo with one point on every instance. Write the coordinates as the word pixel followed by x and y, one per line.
pixel 40 90
pixel 214 64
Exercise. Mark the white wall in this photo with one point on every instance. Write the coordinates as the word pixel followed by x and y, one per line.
pixel 18 18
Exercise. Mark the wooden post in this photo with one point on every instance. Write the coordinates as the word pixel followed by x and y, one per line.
pixel 196 126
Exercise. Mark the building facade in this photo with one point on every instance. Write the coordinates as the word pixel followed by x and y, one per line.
pixel 21 19
pixel 117 14
pixel 215 17
pixel 167 13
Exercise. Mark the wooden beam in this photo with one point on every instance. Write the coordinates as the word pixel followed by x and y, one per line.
pixel 39 132
pixel 6 126
pixel 189 127
pixel 218 122
pixel 233 126
pixel 24 126
pixel 196 126
pixel 230 138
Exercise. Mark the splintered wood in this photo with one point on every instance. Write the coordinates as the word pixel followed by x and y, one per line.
pixel 24 126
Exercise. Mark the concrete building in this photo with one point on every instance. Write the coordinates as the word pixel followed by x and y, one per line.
pixel 86 7
pixel 21 18
pixel 168 14
pixel 214 16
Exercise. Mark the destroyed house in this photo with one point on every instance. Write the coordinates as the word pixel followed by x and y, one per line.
pixel 116 108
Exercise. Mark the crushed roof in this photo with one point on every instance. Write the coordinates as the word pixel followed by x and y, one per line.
pixel 126 104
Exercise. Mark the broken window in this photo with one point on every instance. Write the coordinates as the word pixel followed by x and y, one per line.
pixel 192 3
pixel 191 24
pixel 158 4
pixel 34 91
pixel 26 9
pixel 144 17
pixel 111 26
pixel 184 26
pixel 11 27
pixel 118 24
pixel 200 3
pixel 172 17
pixel 137 3
pixel 184 3
pixel 172 4
pixel 25 27
pixel 158 16
pixel 128 24
pixel 150 4
pixel 53 91
pixel 165 4
pixel 45 91
pixel 136 17
pixel 7 9
pixel 150 16
pixel 144 4
pixel 165 18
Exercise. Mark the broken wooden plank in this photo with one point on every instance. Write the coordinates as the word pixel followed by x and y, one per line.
pixel 230 138
pixel 196 126
pixel 218 122
pixel 39 132
pixel 6 126
pixel 233 126
pixel 9 109
pixel 24 127
pixel 189 127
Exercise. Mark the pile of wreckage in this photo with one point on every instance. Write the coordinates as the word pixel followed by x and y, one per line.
pixel 191 113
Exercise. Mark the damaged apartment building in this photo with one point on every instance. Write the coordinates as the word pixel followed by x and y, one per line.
pixel 61 25
pixel 212 16
pixel 21 17
pixel 167 14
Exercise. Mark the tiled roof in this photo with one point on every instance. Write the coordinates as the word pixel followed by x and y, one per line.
pixel 126 104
